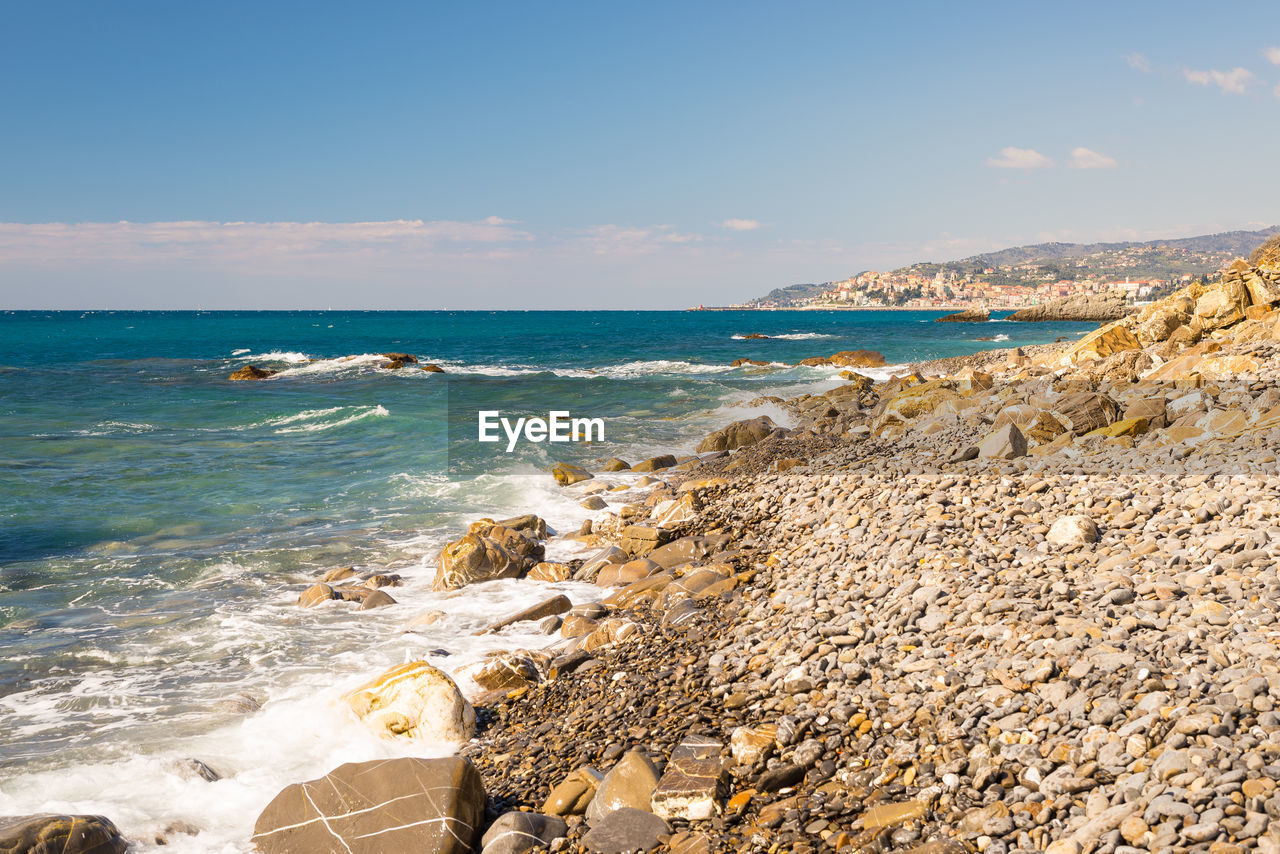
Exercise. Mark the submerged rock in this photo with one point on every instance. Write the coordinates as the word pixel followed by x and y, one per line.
pixel 252 372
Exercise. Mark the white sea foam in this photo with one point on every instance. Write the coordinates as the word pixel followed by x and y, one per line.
pixel 277 356
pixel 791 336
pixel 1001 337
pixel 240 352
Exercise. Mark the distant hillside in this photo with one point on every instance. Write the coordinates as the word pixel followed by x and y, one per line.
pixel 1233 243
pixel 785 295
pixel 1030 266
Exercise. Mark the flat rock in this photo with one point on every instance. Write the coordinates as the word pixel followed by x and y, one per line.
pixel 625 830
pixel 690 786
pixel 379 807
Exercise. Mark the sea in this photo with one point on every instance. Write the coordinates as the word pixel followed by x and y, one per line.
pixel 157 521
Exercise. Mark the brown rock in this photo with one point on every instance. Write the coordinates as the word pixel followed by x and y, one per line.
pixel 432 368
pixel 615 464
pixel 617 575
pixel 551 572
pixel 376 599
pixel 1085 307
pixel 338 573
pixel 629 784
pixel 691 785
pixel 572 796
pixel 665 461
pixel 567 475
pixel 969 315
pixel 739 434
pixel 546 608
pixel 1086 411
pixel 379 807
pixel 315 594
pixel 250 372
pixel 414 700
pixel 475 558
pixel 60 834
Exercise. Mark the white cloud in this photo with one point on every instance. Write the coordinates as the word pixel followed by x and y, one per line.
pixel 1084 158
pixel 1234 81
pixel 1138 61
pixel 240 243
pixel 740 224
pixel 1019 158
pixel 1273 55
pixel 616 240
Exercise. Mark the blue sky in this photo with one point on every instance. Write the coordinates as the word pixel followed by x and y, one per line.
pixel 600 155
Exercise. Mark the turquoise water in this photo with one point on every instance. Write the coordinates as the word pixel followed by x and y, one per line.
pixel 157 521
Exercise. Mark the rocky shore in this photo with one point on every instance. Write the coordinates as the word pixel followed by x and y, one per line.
pixel 1020 602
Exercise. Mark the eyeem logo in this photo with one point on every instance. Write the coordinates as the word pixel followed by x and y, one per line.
pixel 558 426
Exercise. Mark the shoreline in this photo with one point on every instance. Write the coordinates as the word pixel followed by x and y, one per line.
pixel 996 602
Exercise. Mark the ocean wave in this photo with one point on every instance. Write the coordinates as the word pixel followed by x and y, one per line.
pixel 1001 337
pixel 792 336
pixel 314 420
pixel 240 352
pixel 651 367
pixel 289 356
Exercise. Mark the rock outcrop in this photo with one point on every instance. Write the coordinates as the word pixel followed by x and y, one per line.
pixel 845 359
pixel 739 434
pixel 387 806
pixel 969 315
pixel 1091 307
pixel 498 553
pixel 252 372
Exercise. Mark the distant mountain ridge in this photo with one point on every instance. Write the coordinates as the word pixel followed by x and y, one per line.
pixel 1200 255
pixel 1239 243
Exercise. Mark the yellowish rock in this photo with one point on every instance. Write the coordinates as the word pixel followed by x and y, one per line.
pixel 414 700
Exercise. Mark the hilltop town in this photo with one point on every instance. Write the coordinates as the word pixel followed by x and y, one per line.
pixel 1027 276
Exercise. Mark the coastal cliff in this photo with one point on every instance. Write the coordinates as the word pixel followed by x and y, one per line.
pixel 1087 307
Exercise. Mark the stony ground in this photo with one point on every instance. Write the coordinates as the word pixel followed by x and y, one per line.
pixel 1069 650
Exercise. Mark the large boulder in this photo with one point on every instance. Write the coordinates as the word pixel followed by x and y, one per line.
pixel 414 700
pixel 629 784
pixel 1004 443
pixel 476 558
pixel 386 806
pixel 60 834
pixel 739 434
pixel 1085 411
pixel 658 463
pixel 1101 343
pixel 1221 306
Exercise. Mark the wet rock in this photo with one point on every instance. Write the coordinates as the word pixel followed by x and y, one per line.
pixel 414 700
pixel 387 805
pixel 474 559
pixel 546 608
pixel 567 475
pixel 252 372
pixel 739 434
pixel 316 594
pixel 63 834
pixel 664 461
pixel 194 769
pixel 376 599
